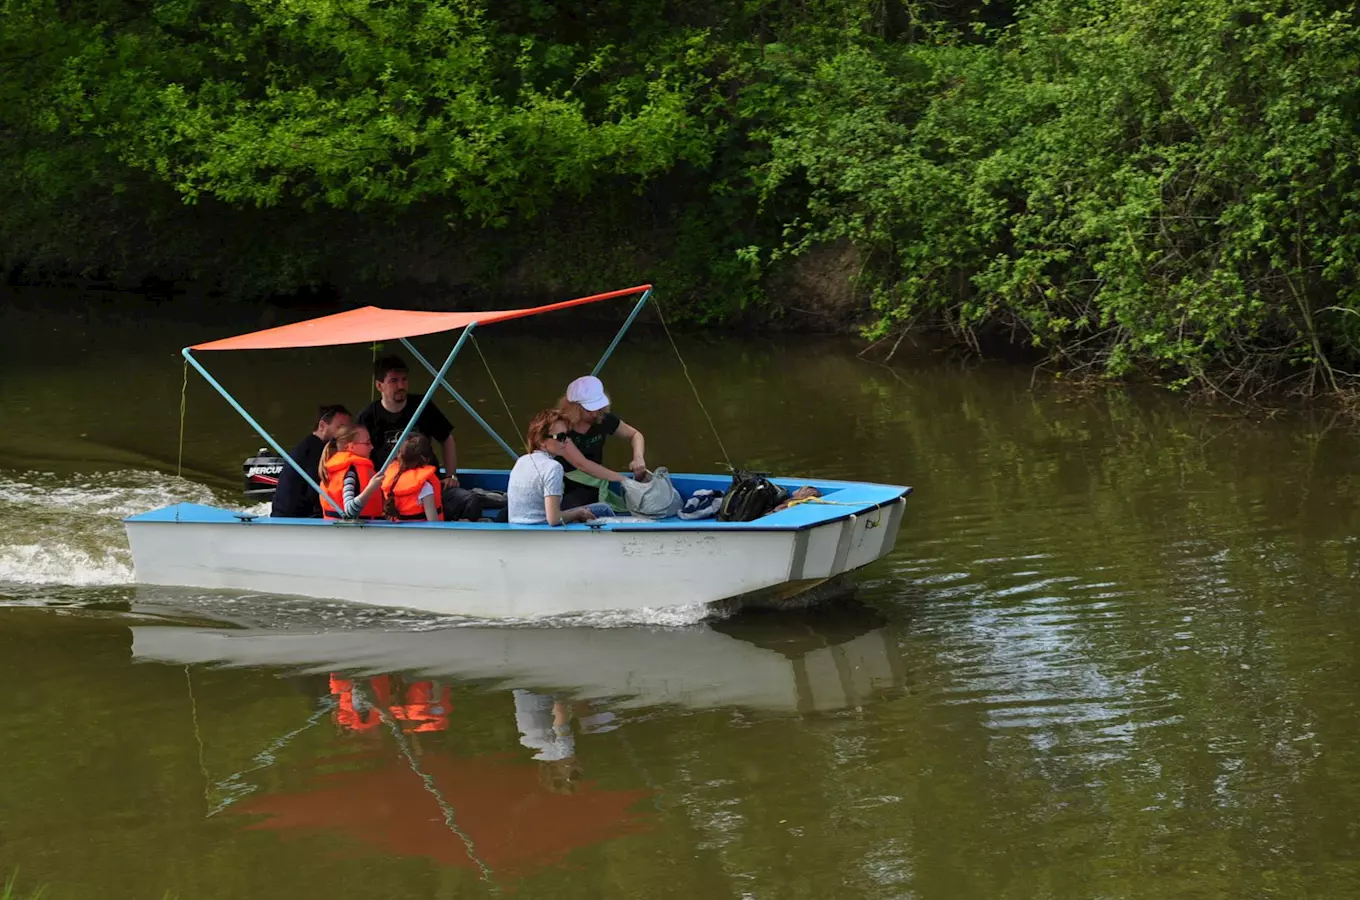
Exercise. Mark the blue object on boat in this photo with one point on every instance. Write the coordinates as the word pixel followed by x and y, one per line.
pixel 702 504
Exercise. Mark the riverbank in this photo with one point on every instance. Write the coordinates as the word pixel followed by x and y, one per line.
pixel 1161 192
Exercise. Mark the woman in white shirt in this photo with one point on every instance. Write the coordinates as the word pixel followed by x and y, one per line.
pixel 534 493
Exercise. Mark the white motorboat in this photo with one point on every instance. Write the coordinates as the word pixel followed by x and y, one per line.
pixel 497 570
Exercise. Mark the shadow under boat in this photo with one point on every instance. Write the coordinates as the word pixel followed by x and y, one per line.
pixel 814 660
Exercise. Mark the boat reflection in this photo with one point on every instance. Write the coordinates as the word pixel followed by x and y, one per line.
pixel 412 768
pixel 822 659
pixel 492 813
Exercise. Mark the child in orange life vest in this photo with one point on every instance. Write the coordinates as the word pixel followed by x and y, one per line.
pixel 426 707
pixel 362 716
pixel 346 475
pixel 410 486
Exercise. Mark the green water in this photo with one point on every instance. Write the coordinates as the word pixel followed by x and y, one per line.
pixel 1115 654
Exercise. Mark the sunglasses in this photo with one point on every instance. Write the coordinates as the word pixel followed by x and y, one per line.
pixel 560 436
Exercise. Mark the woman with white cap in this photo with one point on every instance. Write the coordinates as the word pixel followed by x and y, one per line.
pixel 586 409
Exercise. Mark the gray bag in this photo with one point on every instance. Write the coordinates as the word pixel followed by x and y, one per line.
pixel 655 498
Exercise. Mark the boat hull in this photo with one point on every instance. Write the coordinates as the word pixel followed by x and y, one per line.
pixel 499 571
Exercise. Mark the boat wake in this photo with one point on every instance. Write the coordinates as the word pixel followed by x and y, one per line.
pixel 68 531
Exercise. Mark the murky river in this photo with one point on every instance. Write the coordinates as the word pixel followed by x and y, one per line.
pixel 1115 654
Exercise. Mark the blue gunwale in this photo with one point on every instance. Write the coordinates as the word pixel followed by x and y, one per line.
pixel 844 499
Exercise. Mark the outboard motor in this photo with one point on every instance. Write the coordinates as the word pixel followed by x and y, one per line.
pixel 262 474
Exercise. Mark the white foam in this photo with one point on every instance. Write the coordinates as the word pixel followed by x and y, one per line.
pixel 67 530
pixel 35 564
pixel 110 494
pixel 664 616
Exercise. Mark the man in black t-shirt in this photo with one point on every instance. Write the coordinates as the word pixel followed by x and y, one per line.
pixel 386 418
pixel 293 498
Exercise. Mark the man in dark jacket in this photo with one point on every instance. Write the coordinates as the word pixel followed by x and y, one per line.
pixel 293 498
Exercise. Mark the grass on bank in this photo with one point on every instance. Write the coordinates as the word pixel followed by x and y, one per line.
pixel 11 892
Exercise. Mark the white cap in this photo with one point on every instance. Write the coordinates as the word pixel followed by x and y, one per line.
pixel 589 392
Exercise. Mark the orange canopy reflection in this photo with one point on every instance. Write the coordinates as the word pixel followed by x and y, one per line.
pixel 511 818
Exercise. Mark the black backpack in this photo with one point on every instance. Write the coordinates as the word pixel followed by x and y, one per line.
pixel 751 496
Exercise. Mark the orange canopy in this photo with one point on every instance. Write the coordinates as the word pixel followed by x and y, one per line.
pixel 372 323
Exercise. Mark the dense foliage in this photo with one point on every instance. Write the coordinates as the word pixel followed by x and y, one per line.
pixel 1167 185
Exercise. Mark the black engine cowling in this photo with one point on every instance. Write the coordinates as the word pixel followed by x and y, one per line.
pixel 262 474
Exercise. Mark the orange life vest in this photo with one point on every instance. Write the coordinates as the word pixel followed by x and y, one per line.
pixel 346 715
pixel 405 490
pixel 336 467
pixel 423 710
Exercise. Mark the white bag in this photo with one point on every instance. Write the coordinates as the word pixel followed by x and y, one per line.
pixel 655 498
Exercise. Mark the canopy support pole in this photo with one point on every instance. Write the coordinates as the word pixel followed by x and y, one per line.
pixel 274 445
pixel 627 324
pixel 441 382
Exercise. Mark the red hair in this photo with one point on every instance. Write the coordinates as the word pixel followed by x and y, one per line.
pixel 540 426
